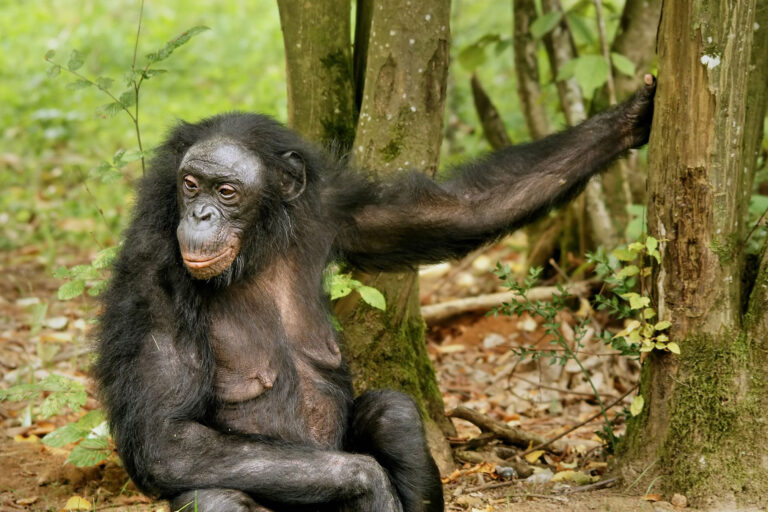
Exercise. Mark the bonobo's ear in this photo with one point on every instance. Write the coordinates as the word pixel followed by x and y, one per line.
pixel 294 181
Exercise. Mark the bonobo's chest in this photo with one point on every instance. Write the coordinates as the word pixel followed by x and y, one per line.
pixel 276 359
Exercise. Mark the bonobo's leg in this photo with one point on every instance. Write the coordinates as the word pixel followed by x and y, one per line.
pixel 387 425
pixel 223 500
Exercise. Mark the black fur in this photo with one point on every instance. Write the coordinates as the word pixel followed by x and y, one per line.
pixel 303 443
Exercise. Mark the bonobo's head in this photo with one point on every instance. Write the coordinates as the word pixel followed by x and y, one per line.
pixel 224 189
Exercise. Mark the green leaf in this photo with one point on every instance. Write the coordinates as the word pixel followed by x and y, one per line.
pixel 128 99
pixel 65 435
pixel 61 272
pixel 72 289
pixel 372 297
pixel 90 452
pixel 591 72
pixel 637 405
pixel 472 57
pixel 624 254
pixel 53 70
pixel 166 51
pixel 76 60
pixel 638 302
pixel 104 82
pixel 153 72
pixel 649 313
pixel 674 348
pixel 622 64
pixel 78 84
pixel 664 324
pixel 545 23
pixel 111 109
pixel 628 271
pixel 105 257
pixel 50 54
pixel 651 244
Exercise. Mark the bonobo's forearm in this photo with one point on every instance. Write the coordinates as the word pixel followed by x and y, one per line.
pixel 196 457
pixel 414 220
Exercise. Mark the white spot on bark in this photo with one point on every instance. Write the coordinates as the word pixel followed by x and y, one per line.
pixel 405 95
pixel 442 28
pixel 413 109
pixel 392 32
pixel 428 17
pixel 298 45
pixel 756 26
pixel 412 41
pixel 709 39
pixel 421 70
pixel 711 61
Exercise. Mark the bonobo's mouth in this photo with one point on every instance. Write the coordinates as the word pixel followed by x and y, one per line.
pixel 204 261
pixel 205 266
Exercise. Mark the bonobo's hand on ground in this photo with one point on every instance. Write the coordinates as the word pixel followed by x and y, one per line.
pixel 638 114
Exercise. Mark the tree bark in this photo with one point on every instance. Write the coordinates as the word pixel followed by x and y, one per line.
pixel 400 127
pixel 705 415
pixel 561 49
pixel 316 37
pixel 527 68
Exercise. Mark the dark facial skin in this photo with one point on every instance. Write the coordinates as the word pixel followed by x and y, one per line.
pixel 216 178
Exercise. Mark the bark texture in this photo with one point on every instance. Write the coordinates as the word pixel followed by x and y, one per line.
pixel 319 77
pixel 704 419
pixel 527 68
pixel 561 49
pixel 400 126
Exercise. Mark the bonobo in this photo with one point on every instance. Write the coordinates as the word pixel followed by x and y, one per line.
pixel 217 361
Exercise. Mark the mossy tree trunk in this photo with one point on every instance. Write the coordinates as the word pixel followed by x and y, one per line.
pixel 705 421
pixel 397 80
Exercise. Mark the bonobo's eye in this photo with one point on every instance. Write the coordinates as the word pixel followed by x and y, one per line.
pixel 227 192
pixel 190 184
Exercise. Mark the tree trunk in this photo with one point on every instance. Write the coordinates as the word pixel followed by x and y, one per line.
pixel 704 423
pixel 321 101
pixel 527 68
pixel 561 49
pixel 400 126
pixel 397 79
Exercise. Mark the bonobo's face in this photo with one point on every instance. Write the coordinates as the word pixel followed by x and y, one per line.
pixel 219 183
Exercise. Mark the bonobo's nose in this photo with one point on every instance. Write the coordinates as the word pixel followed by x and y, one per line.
pixel 203 212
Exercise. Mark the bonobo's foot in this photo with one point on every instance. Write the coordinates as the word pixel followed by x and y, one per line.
pixel 638 113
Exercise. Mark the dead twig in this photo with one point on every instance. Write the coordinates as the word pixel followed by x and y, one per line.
pixel 514 436
pixel 591 418
pixel 436 312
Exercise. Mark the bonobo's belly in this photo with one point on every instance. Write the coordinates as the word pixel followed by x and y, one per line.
pixel 298 405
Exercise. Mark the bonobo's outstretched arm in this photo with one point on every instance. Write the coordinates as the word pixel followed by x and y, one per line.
pixel 413 220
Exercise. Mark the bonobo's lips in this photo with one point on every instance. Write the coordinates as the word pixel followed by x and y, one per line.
pixel 206 266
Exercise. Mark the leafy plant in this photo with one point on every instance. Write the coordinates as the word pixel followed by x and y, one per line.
pixel 92 277
pixel 54 393
pixel 90 433
pixel 339 285
pixel 133 78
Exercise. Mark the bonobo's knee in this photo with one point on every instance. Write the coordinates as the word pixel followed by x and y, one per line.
pixel 384 417
pixel 215 500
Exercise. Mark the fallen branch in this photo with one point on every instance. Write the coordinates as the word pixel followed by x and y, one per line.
pixel 512 435
pixel 593 417
pixel 437 312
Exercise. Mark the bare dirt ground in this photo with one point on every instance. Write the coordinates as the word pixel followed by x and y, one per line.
pixel 472 355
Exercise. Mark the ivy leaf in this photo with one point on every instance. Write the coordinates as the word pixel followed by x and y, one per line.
pixel 651 244
pixel 674 348
pixel 638 302
pixel 649 313
pixel 637 405
pixel 545 23
pixel 623 64
pixel 664 324
pixel 372 297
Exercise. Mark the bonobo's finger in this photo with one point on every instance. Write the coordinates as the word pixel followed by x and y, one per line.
pixel 649 79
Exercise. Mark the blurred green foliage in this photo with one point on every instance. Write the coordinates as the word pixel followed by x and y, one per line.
pixel 51 136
